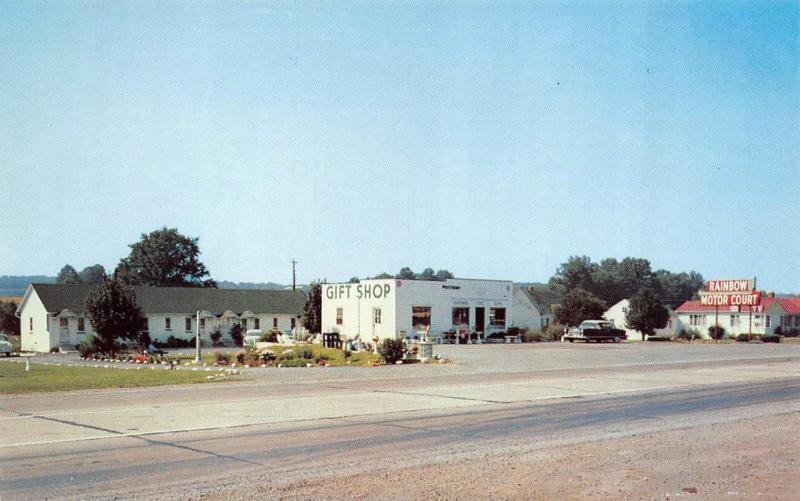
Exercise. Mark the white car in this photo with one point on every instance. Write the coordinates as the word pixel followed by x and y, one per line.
pixel 5 345
pixel 252 337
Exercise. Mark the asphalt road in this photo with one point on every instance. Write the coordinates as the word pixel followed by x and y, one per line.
pixel 205 441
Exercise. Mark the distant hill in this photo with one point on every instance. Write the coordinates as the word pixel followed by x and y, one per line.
pixel 15 285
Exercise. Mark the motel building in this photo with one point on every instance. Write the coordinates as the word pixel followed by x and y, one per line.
pixel 53 315
pixel 404 309
pixel 740 309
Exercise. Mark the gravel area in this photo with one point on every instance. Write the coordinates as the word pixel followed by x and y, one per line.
pixel 742 460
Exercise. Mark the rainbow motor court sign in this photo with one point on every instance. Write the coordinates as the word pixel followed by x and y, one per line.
pixel 739 292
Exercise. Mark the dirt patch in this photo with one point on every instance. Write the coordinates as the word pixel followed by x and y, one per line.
pixel 745 460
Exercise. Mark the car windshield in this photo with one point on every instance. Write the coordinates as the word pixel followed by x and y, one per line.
pixel 3 337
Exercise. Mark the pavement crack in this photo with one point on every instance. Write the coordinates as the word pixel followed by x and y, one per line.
pixel 148 440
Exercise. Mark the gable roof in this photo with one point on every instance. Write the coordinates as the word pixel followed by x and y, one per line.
pixel 790 305
pixel 544 300
pixel 57 297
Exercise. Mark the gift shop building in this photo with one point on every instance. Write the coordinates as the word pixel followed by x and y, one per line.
pixel 400 309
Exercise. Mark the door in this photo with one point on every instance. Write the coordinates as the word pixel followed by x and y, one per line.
pixel 479 319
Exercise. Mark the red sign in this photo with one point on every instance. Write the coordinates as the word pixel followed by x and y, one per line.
pixel 739 285
pixel 730 299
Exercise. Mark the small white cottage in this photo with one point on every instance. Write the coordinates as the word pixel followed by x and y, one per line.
pixel 52 315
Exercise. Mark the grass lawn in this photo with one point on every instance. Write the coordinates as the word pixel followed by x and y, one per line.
pixel 14 379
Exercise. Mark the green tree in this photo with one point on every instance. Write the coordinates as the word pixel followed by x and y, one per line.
pixel 68 275
pixel 427 274
pixel 675 288
pixel 579 305
pixel 646 313
pixel 9 323
pixel 443 275
pixel 406 274
pixel 93 275
pixel 312 310
pixel 384 275
pixel 354 280
pixel 577 272
pixel 164 258
pixel 114 314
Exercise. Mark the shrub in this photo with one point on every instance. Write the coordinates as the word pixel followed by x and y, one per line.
pixel 94 346
pixel 779 330
pixel 771 338
pixel 391 350
pixel 215 337
pixel 716 332
pixel 689 335
pixel 222 358
pixel 532 336
pixel 794 332
pixel 287 355
pixel 271 336
pixel 553 332
pixel 306 352
pixel 514 331
pixel 240 357
pixel 742 338
pixel 236 334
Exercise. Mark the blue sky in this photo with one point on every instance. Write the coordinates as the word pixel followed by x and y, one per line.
pixel 494 140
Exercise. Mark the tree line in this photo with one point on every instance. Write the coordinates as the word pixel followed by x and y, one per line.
pixel 591 288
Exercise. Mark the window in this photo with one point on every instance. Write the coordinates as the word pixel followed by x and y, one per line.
pixel 669 324
pixel 81 324
pixel 256 323
pixel 274 322
pixel 294 322
pixel 188 326
pixel 460 316
pixel 735 321
pixel 339 312
pixel 420 317
pixel 697 320
pixel 63 323
pixel 786 321
pixel 497 317
pixel 797 321
pixel 202 323
pixel 244 324
pixel 376 315
pixel 168 323
pixel 30 323
pixel 767 321
pixel 624 309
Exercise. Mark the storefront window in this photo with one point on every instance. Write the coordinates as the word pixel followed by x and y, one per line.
pixel 460 316
pixel 376 315
pixel 339 314
pixel 420 317
pixel 497 317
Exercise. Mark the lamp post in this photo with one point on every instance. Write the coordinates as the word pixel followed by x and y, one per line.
pixel 197 338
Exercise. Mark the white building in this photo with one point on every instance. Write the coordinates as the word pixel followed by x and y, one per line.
pixel 619 312
pixel 528 311
pixel 765 318
pixel 52 315
pixel 392 308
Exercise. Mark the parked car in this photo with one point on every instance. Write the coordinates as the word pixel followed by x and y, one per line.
pixel 5 344
pixel 252 337
pixel 597 331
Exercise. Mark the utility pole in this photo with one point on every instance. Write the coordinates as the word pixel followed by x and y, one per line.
pixel 294 276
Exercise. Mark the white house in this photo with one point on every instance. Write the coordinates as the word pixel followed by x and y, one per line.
pixel 765 318
pixel 619 311
pixel 52 315
pixel 392 308
pixel 528 312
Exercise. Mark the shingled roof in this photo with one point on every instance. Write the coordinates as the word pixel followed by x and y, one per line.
pixel 57 297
